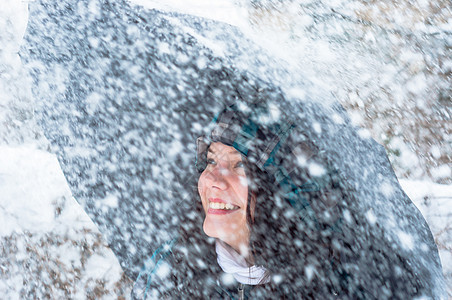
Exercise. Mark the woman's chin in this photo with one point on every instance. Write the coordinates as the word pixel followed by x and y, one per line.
pixel 216 229
pixel 226 232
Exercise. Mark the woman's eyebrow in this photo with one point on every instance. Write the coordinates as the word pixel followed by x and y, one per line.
pixel 233 152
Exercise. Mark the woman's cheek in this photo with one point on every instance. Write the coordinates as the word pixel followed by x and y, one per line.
pixel 201 185
pixel 202 192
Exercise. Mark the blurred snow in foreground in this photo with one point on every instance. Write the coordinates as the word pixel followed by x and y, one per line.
pixel 49 246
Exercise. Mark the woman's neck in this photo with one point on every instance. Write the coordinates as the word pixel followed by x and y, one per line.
pixel 243 250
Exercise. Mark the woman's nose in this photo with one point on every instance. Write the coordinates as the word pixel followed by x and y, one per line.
pixel 218 178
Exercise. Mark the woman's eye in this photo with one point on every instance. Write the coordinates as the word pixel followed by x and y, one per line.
pixel 239 165
pixel 210 161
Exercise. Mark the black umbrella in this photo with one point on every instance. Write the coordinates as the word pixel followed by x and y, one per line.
pixel 122 94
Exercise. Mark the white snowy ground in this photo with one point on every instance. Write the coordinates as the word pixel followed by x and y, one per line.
pixel 435 203
pixel 48 241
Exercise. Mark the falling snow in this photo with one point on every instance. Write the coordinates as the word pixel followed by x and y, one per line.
pixel 97 136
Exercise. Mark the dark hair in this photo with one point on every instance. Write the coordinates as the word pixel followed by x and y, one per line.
pixel 256 179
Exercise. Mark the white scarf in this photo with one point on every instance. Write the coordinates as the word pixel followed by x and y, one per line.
pixel 233 263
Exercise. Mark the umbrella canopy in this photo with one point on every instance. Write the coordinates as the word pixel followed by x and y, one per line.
pixel 122 94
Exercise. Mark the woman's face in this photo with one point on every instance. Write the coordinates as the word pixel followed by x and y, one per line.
pixel 223 189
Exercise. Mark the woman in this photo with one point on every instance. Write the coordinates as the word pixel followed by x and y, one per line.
pixel 274 208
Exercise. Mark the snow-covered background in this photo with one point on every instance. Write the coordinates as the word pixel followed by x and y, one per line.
pixel 389 63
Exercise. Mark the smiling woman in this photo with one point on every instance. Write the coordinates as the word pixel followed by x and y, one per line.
pixel 277 222
pixel 223 190
pixel 242 178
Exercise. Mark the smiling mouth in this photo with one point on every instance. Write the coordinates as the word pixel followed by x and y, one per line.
pixel 219 207
pixel 223 206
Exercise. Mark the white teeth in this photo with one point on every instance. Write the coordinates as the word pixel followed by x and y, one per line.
pixel 218 205
pixel 229 206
